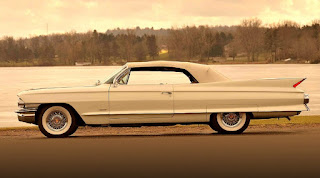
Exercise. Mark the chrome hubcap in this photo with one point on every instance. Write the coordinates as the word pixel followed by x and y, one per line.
pixel 56 121
pixel 231 119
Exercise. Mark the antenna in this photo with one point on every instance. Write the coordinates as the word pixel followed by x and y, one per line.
pixel 47 29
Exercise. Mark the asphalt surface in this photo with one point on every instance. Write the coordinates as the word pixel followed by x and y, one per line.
pixel 136 152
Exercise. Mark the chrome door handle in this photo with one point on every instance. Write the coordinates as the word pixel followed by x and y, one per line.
pixel 166 92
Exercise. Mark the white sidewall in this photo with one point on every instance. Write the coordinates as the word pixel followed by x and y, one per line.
pixel 236 128
pixel 64 111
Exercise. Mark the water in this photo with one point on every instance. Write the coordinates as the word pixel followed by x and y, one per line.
pixel 16 79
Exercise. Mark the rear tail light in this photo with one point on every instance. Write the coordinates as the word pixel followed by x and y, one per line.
pixel 295 85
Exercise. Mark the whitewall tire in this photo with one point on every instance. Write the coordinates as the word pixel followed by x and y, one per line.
pixel 233 122
pixel 57 121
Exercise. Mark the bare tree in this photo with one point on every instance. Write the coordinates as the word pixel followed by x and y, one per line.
pixel 250 35
pixel 153 49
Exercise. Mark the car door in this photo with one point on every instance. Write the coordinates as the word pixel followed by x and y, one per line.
pixel 140 103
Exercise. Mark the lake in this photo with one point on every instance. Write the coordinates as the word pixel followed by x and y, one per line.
pixel 16 79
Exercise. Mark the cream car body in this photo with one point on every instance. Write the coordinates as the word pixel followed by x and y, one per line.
pixel 113 102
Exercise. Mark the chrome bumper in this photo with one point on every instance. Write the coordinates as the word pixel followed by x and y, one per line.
pixel 306 98
pixel 306 101
pixel 27 115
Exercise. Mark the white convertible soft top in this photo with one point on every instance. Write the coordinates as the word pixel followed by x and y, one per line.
pixel 203 73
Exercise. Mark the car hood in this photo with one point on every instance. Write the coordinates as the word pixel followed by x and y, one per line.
pixel 53 90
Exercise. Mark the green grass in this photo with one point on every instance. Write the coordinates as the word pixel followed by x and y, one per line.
pixel 282 121
pixel 163 56
pixel 296 120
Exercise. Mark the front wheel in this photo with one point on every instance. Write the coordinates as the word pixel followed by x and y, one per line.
pixel 229 123
pixel 57 122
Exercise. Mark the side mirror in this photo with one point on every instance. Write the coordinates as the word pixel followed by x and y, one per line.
pixel 98 83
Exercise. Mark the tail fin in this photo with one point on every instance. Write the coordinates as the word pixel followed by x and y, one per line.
pixel 298 83
pixel 285 82
pixel 266 82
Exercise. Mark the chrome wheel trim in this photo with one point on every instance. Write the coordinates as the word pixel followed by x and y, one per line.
pixel 231 119
pixel 50 112
pixel 236 126
pixel 56 121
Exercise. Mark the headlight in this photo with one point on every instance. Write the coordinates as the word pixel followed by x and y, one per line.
pixel 20 103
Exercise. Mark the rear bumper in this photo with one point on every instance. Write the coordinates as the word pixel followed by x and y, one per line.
pixel 306 98
pixel 27 115
pixel 306 101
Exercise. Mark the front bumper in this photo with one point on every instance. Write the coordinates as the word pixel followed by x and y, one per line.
pixel 27 115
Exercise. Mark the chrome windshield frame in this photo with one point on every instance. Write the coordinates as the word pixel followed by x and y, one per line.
pixel 115 74
pixel 124 69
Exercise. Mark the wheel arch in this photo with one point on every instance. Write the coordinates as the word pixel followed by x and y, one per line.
pixel 79 119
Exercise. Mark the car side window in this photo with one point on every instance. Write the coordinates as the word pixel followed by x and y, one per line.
pixel 157 77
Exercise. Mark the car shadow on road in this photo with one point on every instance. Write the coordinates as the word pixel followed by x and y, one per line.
pixel 215 134
pixel 271 133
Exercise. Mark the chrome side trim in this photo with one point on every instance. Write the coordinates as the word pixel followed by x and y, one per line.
pixel 26 110
pixel 22 104
pixel 107 114
pixel 32 105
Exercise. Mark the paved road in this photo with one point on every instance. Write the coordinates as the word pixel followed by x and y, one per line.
pixel 259 152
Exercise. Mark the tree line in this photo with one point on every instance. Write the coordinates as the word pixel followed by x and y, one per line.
pixel 68 48
pixel 250 41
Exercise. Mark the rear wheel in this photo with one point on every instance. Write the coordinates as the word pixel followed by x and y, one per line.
pixel 230 123
pixel 57 122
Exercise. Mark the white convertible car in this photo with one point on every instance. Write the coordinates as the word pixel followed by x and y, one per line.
pixel 162 93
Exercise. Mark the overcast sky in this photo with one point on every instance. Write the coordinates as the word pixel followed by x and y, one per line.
pixel 22 18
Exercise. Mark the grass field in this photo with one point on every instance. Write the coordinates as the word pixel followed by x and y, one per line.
pixel 283 121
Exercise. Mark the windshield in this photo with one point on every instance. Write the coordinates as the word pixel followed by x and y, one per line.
pixel 109 80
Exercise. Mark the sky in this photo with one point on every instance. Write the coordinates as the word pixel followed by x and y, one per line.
pixel 25 18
